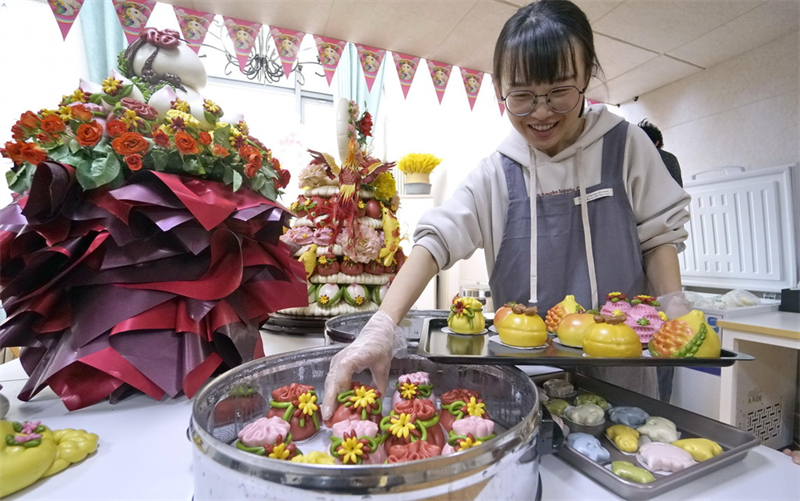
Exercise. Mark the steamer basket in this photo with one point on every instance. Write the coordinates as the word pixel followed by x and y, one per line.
pixel 505 467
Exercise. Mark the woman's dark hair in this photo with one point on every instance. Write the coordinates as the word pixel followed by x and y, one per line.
pixel 538 44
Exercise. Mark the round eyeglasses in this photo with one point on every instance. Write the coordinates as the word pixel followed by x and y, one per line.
pixel 521 103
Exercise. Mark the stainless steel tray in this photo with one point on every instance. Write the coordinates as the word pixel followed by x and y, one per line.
pixel 447 348
pixel 735 443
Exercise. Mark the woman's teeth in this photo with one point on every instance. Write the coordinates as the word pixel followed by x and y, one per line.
pixel 542 128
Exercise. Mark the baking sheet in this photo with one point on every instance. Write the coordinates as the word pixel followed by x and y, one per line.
pixel 447 348
pixel 735 443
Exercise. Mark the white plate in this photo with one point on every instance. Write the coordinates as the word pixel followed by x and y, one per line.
pixel 447 330
pixel 496 339
pixel 558 341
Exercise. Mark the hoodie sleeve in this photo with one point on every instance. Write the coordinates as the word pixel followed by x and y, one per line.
pixel 659 203
pixel 464 223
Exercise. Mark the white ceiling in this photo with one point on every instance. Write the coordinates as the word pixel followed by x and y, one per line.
pixel 641 44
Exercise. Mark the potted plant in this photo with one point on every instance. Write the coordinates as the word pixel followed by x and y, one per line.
pixel 418 167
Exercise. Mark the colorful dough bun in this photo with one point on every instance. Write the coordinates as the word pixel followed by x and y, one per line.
pixel 357 442
pixel 557 313
pixel 466 316
pixel 414 385
pixel 297 405
pixel 360 402
pixel 610 337
pixel 411 421
pixel 686 337
pixel 573 327
pixel 589 446
pixel 459 403
pixel 522 327
pixel 701 449
pixel 616 304
pixel 644 318
pixel 268 436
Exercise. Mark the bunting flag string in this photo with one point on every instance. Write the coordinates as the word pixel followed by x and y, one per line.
pixel 194 25
pixel 288 43
pixel 406 69
pixel 472 84
pixel 243 35
pixel 65 12
pixel 371 59
pixel 440 74
pixel 133 16
pixel 330 51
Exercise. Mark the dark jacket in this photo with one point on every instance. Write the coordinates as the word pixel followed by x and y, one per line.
pixel 672 164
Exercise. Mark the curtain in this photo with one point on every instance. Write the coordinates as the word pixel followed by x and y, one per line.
pixel 353 85
pixel 103 37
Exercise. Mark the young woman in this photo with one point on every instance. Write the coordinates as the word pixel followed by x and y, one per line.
pixel 623 237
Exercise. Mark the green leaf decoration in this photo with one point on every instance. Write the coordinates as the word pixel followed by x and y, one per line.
pixel 97 173
pixel 237 180
pixel 159 159
pixel 221 136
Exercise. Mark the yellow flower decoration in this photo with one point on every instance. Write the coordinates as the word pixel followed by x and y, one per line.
pixel 401 425
pixel 65 112
pixel 385 186
pixel 408 391
pixel 111 85
pixel 45 112
pixel 180 105
pixel 469 442
pixel 475 408
pixel 350 450
pixel 210 106
pixel 363 397
pixel 323 300
pixel 307 404
pixel 663 316
pixel 188 119
pixel 79 96
pixel 359 300
pixel 616 313
pixel 322 260
pixel 131 119
pixel 362 205
pixel 279 452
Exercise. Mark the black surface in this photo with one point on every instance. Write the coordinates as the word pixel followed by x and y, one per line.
pixel 477 349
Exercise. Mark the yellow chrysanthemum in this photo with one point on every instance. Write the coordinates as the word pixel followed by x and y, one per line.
pixel 408 391
pixel 279 452
pixel 111 85
pixel 307 403
pixel 188 119
pixel 79 96
pixel 350 450
pixel 65 112
pixel 359 300
pixel 180 105
pixel 323 300
pixel 46 112
pixel 616 313
pixel 475 408
pixel 363 397
pixel 322 260
pixel 131 119
pixel 385 186
pixel 211 107
pixel 401 425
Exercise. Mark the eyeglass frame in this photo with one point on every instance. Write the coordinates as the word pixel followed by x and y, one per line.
pixel 537 96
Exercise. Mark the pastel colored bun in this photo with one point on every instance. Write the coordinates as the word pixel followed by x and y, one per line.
pixel 466 316
pixel 345 435
pixel 616 304
pixel 522 327
pixel 645 320
pixel 414 385
pixel 360 402
pixel 558 388
pixel 557 313
pixel 586 414
pixel 627 471
pixel 624 437
pixel 413 451
pixel 659 429
pixel 459 403
pixel 610 337
pixel 686 336
pixel 556 406
pixel 589 446
pixel 629 416
pixel 588 398
pixel 657 456
pixel 297 404
pixel 701 449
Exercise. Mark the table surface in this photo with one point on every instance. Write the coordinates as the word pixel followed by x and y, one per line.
pixel 144 455
pixel 775 323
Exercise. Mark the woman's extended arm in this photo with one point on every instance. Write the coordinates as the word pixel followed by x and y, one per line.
pixel 409 283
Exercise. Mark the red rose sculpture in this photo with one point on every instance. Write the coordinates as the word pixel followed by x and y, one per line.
pixel 360 402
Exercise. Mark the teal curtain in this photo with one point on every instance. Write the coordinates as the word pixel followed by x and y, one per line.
pixel 103 37
pixel 353 84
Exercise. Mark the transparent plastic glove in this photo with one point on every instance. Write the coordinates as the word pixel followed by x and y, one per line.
pixel 675 304
pixel 374 348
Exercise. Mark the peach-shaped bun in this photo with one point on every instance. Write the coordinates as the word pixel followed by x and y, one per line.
pixel 522 327
pixel 610 337
pixel 573 328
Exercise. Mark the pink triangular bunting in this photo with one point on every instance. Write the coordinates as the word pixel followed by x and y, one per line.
pixel 406 70
pixel 133 16
pixel 371 59
pixel 440 73
pixel 243 34
pixel 194 25
pixel 472 84
pixel 288 44
pixel 330 51
pixel 65 12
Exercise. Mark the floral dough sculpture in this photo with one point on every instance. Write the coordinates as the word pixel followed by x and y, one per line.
pixel 346 231
pixel 143 248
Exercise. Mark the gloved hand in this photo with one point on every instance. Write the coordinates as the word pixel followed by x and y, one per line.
pixel 675 304
pixel 374 348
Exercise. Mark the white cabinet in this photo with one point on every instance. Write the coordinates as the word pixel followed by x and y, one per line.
pixel 412 207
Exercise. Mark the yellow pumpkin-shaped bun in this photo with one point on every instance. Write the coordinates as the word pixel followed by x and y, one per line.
pixel 610 337
pixel 522 327
pixel 466 316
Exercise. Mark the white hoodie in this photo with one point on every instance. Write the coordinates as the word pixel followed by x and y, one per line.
pixel 475 217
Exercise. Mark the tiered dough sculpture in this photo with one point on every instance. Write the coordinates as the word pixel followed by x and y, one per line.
pixel 346 229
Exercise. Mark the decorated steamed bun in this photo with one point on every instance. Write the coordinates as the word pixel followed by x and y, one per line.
pixel 610 337
pixel 522 327
pixel 557 313
pixel 466 316
pixel 616 304
pixel 685 337
pixel 589 446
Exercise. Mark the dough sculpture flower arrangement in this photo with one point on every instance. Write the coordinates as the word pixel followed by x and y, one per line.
pixel 30 451
pixel 466 316
pixel 346 230
pixel 143 248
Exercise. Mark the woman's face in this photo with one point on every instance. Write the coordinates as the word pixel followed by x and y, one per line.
pixel 544 129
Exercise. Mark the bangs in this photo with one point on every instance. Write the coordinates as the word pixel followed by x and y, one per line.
pixel 542 55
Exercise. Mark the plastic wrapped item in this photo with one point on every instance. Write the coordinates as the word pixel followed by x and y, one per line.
pixel 738 298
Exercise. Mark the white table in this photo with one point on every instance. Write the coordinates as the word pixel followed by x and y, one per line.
pixel 144 455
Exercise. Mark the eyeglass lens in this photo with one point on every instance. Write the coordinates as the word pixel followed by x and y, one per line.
pixel 560 100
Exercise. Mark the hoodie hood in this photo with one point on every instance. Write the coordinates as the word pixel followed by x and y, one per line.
pixel 598 121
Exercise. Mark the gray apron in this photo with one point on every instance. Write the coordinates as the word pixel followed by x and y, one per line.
pixel 562 266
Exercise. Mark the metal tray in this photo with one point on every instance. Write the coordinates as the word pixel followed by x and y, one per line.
pixel 345 328
pixel 447 348
pixel 735 443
